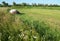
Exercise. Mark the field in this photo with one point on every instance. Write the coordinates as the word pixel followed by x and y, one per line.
pixel 33 24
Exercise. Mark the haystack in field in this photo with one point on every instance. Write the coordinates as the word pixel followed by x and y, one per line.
pixel 14 11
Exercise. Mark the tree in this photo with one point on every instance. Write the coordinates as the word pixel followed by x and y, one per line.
pixel 24 4
pixel 34 4
pixel 14 4
pixel 0 5
pixel 4 3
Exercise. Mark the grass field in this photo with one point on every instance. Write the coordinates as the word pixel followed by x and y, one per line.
pixel 33 24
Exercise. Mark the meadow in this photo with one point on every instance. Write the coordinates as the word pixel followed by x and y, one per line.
pixel 33 24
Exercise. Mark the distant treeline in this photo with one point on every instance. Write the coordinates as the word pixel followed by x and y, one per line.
pixel 4 4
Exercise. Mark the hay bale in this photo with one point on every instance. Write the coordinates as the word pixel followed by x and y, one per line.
pixel 14 11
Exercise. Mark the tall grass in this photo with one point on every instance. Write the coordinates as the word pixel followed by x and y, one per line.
pixel 20 28
pixel 8 25
pixel 45 31
pixel 13 29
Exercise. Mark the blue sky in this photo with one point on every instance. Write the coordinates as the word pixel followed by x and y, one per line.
pixel 33 1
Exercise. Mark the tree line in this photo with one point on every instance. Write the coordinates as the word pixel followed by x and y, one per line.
pixel 4 4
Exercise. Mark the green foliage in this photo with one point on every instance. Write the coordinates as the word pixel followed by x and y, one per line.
pixel 14 4
pixel 4 4
pixel 45 32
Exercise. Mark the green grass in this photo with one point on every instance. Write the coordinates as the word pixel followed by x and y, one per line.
pixel 34 24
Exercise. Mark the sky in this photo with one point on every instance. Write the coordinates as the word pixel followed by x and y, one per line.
pixel 33 1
